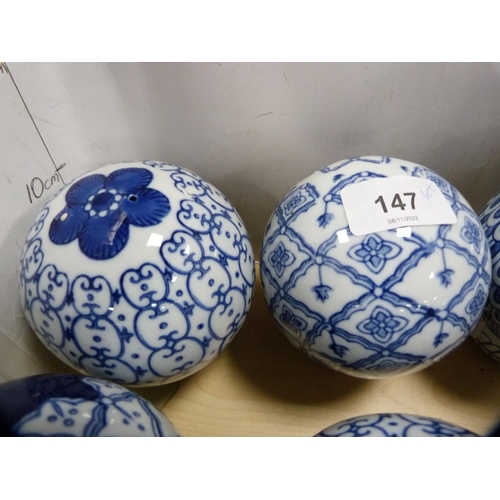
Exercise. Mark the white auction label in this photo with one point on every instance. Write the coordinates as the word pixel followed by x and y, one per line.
pixel 391 202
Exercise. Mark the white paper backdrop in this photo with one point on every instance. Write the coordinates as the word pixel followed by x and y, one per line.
pixel 252 129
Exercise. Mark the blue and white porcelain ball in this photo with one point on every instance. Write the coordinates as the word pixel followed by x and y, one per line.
pixel 138 272
pixel 375 305
pixel 394 425
pixel 77 406
pixel 488 338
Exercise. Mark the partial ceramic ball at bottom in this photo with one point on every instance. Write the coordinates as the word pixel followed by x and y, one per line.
pixel 77 406
pixel 141 273
pixel 394 425
pixel 375 305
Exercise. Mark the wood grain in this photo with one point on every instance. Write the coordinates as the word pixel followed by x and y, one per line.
pixel 262 386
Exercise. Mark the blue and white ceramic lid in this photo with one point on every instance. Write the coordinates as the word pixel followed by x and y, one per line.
pixel 77 406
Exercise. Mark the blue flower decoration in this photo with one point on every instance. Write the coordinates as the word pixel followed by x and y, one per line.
pixel 471 233
pixel 475 306
pixel 374 252
pixel 100 209
pixel 293 322
pixel 281 258
pixel 294 202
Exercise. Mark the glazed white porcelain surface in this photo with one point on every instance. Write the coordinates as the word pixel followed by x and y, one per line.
pixel 382 304
pixel 137 272
pixel 77 406
pixel 394 425
pixel 489 337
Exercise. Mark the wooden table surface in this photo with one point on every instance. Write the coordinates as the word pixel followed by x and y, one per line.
pixel 262 386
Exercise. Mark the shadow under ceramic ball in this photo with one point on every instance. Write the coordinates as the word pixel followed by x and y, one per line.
pixel 379 304
pixel 137 272
pixel 77 406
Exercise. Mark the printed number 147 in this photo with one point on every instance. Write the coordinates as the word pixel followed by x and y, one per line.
pixel 397 201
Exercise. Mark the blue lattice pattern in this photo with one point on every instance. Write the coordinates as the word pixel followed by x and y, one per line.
pixel 380 304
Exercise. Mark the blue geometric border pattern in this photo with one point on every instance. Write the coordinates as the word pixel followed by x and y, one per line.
pixel 394 425
pixel 164 317
pixel 380 304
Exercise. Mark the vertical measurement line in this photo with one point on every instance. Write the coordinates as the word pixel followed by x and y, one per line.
pixel 4 65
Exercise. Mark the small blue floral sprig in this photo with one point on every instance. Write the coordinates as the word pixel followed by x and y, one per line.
pixel 100 209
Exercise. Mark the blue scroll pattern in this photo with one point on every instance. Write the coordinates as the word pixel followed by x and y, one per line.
pixel 162 320
pixel 489 337
pixel 357 307
pixel 394 425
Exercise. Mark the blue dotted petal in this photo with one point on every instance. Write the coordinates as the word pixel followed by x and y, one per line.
pixel 129 180
pixel 149 208
pixel 66 225
pixel 79 192
pixel 103 237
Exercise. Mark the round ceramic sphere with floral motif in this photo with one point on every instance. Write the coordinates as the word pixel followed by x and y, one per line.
pixel 488 338
pixel 138 272
pixel 385 303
